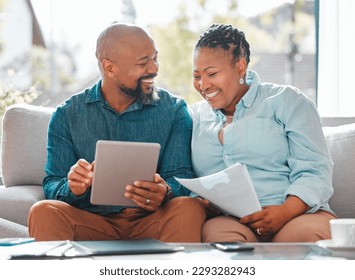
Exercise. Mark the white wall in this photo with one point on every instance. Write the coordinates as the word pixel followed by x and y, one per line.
pixel 336 90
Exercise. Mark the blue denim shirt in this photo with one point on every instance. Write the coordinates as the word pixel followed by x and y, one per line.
pixel 85 118
pixel 276 132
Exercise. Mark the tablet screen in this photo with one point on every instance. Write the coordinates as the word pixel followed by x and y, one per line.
pixel 118 164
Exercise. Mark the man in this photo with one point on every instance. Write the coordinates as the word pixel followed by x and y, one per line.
pixel 125 106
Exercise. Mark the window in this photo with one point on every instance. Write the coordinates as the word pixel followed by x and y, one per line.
pixel 47 47
pixel 57 59
pixel 336 95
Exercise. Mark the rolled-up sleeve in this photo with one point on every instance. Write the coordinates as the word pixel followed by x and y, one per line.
pixel 309 159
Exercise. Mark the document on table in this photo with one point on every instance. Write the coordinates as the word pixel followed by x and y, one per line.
pixel 231 190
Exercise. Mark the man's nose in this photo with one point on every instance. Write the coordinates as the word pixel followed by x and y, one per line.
pixel 153 66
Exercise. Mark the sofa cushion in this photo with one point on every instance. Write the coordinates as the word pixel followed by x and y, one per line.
pixel 15 202
pixel 341 144
pixel 23 164
pixel 10 229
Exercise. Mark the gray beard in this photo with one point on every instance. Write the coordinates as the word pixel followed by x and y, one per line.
pixel 137 93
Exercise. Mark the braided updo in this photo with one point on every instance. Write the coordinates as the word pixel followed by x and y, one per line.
pixel 226 37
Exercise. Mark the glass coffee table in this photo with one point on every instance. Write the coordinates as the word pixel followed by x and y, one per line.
pixel 262 251
pixel 190 251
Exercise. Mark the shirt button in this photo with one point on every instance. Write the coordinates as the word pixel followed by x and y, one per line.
pixel 226 156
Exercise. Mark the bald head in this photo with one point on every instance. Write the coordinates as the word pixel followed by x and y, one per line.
pixel 117 36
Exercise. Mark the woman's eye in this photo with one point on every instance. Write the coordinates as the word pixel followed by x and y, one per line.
pixel 211 74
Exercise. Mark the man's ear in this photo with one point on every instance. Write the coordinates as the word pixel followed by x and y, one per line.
pixel 108 67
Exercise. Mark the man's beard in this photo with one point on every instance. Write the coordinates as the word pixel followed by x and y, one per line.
pixel 138 94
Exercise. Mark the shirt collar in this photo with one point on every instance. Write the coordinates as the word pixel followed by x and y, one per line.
pixel 252 79
pixel 94 94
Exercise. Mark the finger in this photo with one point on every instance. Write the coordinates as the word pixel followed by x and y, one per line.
pixel 81 170
pixel 256 225
pixel 205 203
pixel 74 176
pixel 139 191
pixel 258 231
pixel 158 179
pixel 146 204
pixel 149 189
pixel 142 196
pixel 84 167
pixel 146 185
pixel 77 188
pixel 157 185
pixel 260 228
pixel 75 184
pixel 261 231
pixel 147 199
pixel 85 164
pixel 252 218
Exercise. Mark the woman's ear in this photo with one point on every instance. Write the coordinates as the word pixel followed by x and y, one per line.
pixel 241 66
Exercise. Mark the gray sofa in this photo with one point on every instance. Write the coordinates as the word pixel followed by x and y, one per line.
pixel 24 140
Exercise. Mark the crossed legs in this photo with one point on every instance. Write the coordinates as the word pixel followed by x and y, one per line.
pixel 179 220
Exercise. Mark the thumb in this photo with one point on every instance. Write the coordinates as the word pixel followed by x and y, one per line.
pixel 158 179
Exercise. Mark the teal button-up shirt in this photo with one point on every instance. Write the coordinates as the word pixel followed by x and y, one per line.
pixel 276 132
pixel 85 118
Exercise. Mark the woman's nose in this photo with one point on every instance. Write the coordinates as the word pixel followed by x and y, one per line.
pixel 204 84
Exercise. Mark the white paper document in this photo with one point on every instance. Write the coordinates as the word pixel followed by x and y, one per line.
pixel 231 190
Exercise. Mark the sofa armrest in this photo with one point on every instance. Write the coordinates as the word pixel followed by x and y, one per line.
pixel 341 145
pixel 24 141
pixel 336 121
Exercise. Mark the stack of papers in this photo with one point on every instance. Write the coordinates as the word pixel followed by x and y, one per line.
pixel 231 190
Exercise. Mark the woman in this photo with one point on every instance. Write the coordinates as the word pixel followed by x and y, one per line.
pixel 274 130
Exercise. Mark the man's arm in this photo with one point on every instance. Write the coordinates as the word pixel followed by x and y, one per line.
pixel 176 160
pixel 60 159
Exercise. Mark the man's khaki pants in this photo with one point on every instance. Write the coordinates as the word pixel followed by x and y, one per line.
pixel 179 220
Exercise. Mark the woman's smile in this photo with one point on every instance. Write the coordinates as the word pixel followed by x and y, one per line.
pixel 211 94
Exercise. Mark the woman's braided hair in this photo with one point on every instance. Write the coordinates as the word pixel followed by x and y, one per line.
pixel 226 37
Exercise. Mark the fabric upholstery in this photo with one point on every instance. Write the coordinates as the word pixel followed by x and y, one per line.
pixel 24 143
pixel 15 202
pixel 335 121
pixel 341 144
pixel 11 229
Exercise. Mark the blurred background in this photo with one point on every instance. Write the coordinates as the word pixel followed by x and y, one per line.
pixel 47 46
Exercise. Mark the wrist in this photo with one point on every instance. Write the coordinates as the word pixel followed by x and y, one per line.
pixel 168 195
pixel 294 206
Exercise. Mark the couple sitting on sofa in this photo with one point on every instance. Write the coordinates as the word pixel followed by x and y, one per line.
pixel 274 130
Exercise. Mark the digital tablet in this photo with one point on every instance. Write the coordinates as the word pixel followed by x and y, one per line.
pixel 118 164
pixel 126 247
